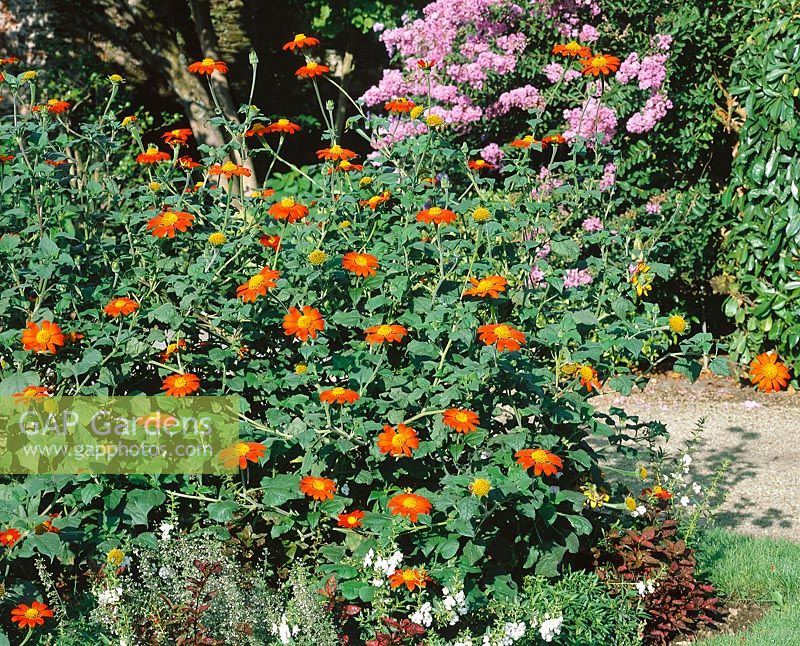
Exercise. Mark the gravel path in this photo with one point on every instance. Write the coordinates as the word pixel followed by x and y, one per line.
pixel 759 433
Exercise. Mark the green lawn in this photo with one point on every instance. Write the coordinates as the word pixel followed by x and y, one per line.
pixel 757 570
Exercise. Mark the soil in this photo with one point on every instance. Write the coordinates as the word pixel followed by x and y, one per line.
pixel 758 432
pixel 739 618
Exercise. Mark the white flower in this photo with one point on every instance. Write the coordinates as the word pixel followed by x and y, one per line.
pixel 423 616
pixel 685 501
pixel 345 489
pixel 686 460
pixel 164 572
pixel 284 632
pixel 369 558
pixel 377 583
pixel 696 488
pixel 645 587
pixel 550 628
pixel 639 511
pixel 165 529
pixel 515 631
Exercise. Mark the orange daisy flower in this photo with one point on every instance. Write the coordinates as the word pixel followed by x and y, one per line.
pixel 30 616
pixel 543 462
pixel 573 49
pixel 490 286
pixel 42 339
pixel 208 66
pixel 524 142
pixel 435 215
pixel 172 348
pixel 240 453
pixel 410 505
pixel 504 336
pixel 345 166
pixel 339 396
pixel 425 65
pixel 187 163
pixel 31 392
pixel 229 169
pixel 55 163
pixel 461 420
pixel 385 333
pixel 318 488
pixel 283 126
pixel 312 69
pixel 479 164
pixel 658 492
pixel 376 200
pixel 335 153
pixel 351 520
pixel 181 385
pixel 121 306
pixel 768 373
pixel 412 579
pixel 554 139
pixel 400 442
pixel 399 106
pixel 287 208
pixel 165 223
pixel 270 242
pixel 303 325
pixel 6 158
pixel 257 285
pixel 152 156
pixel 258 130
pixel 56 106
pixel 9 537
pixel 600 64
pixel 361 264
pixel 588 378
pixel 300 41
pixel 176 137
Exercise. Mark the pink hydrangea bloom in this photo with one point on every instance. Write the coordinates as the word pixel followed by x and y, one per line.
pixel 662 42
pixel 628 69
pixel 609 177
pixel 536 277
pixel 652 207
pixel 526 97
pixel 589 34
pixel 652 71
pixel 492 153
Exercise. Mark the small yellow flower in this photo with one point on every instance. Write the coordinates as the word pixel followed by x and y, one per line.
pixel 254 194
pixel 127 122
pixel 300 369
pixel 416 111
pixel 434 121
pixel 217 238
pixel 480 487
pixel 630 503
pixel 643 473
pixel 594 497
pixel 345 224
pixel 154 186
pixel 317 257
pixel 677 324
pixel 570 369
pixel 115 557
pixel 481 214
pixel 30 75
pixel 116 79
pixel 365 181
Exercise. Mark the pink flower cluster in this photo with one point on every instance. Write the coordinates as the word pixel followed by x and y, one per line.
pixel 653 111
pixel 592 224
pixel 526 97
pixel 555 73
pixel 592 120
pixel 577 278
pixel 609 177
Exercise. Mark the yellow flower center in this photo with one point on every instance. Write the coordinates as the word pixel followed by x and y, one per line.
pixel 228 167
pixel 43 336
pixel 152 150
pixel 312 65
pixel 168 218
pixel 345 165
pixel 769 371
pixel 502 332
pixel 242 449
pixel 599 61
pixel 586 373
pixel 399 440
pixel 180 382
pixel 300 369
pixel 677 324
pixel 336 149
pixel 304 321
pixel 299 38
pixel 461 416
pixel 409 503
pixel 409 575
pixel 217 238
pixel 480 487
pixel 120 302
pixel 336 392
pixel 435 211
pixel 31 613
pixel 255 282
pixel 208 62
pixel 287 202
pixel 283 122
pixel 29 393
pixel 352 520
pixel 572 46
pixel 630 503
pixel 385 330
pixel 361 261
pixel 485 284
pixel 318 484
